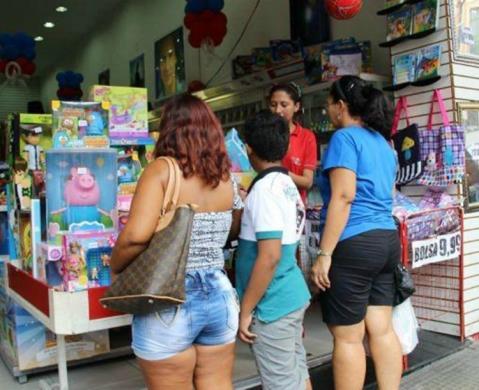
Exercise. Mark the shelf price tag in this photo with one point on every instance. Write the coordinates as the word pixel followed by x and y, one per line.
pixel 434 250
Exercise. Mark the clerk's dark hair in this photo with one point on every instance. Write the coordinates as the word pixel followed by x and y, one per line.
pixel 365 102
pixel 267 134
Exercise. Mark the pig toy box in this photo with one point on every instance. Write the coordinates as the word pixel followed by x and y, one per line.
pixel 81 191
pixel 128 114
pixel 80 124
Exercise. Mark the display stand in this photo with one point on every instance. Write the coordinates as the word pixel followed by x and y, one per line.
pixel 63 313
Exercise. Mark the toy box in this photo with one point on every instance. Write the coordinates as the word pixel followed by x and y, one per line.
pixel 81 189
pixel 25 242
pixel 86 260
pixel 128 114
pixel 49 264
pixel 80 124
pixel 31 345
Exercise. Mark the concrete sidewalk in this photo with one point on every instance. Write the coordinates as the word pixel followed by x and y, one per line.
pixel 459 371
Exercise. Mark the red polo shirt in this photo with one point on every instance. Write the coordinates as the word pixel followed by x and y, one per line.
pixel 302 153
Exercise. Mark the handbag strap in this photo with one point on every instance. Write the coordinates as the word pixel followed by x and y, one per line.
pixel 401 106
pixel 437 96
pixel 172 192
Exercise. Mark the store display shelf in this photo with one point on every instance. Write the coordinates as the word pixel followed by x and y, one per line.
pixel 418 35
pixel 22 375
pixel 63 313
pixel 127 142
pixel 370 77
pixel 419 83
pixel 396 7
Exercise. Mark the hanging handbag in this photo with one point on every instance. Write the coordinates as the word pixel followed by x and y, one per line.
pixel 404 284
pixel 443 149
pixel 407 145
pixel 156 278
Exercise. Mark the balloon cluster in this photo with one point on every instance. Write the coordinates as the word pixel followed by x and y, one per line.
pixel 69 85
pixel 17 52
pixel 206 22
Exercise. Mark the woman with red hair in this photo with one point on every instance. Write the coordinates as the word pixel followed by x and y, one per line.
pixel 191 344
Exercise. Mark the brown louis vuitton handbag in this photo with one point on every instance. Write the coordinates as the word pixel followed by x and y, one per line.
pixel 156 278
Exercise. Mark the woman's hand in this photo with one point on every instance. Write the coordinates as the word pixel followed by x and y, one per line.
pixel 320 272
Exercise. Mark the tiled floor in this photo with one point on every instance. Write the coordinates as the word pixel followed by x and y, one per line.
pixel 124 374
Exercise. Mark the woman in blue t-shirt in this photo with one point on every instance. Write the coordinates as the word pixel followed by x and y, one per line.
pixel 359 246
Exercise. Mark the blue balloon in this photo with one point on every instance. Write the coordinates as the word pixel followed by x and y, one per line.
pixel 29 53
pixel 23 41
pixel 196 6
pixel 79 78
pixel 10 52
pixel 61 79
pixel 215 5
pixel 6 39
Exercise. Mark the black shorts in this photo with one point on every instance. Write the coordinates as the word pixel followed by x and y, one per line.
pixel 361 274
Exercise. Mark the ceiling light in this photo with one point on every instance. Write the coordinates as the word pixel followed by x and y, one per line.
pixel 49 25
pixel 61 9
pixel 39 38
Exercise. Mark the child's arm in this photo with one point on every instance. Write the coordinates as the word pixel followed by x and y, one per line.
pixel 269 254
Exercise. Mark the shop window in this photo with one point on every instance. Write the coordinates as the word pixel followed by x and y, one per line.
pixel 469 118
pixel 465 20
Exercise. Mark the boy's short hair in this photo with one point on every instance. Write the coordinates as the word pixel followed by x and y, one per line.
pixel 267 134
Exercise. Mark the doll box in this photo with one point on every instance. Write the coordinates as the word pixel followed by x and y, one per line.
pixel 87 260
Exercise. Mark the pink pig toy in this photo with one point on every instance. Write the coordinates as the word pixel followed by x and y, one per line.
pixel 82 195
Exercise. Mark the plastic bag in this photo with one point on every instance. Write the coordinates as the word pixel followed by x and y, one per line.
pixel 405 325
pixel 237 152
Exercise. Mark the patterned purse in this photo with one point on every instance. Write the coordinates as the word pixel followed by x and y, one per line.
pixel 156 278
pixel 407 145
pixel 442 150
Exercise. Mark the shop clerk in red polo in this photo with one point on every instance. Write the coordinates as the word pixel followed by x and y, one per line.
pixel 301 159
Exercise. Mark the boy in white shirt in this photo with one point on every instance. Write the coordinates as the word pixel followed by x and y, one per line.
pixel 272 289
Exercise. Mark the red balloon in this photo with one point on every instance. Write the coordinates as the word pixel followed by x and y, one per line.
pixel 195 40
pixel 3 64
pixel 23 63
pixel 343 9
pixel 29 68
pixel 208 15
pixel 190 20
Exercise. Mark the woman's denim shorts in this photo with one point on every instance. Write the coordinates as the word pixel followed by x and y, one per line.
pixel 208 317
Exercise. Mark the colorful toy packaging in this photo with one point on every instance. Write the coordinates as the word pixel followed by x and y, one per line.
pixel 128 115
pixel 80 124
pixel 86 260
pixel 81 191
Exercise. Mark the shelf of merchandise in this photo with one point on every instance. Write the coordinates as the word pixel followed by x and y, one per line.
pixel 63 313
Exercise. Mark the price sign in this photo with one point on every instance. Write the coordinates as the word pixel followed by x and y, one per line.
pixel 434 250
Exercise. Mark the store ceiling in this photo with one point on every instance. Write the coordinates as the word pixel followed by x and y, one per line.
pixel 71 27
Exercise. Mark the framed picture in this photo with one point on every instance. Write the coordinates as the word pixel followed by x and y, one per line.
pixel 137 72
pixel 465 27
pixel 170 64
pixel 309 21
pixel 469 118
pixel 104 77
